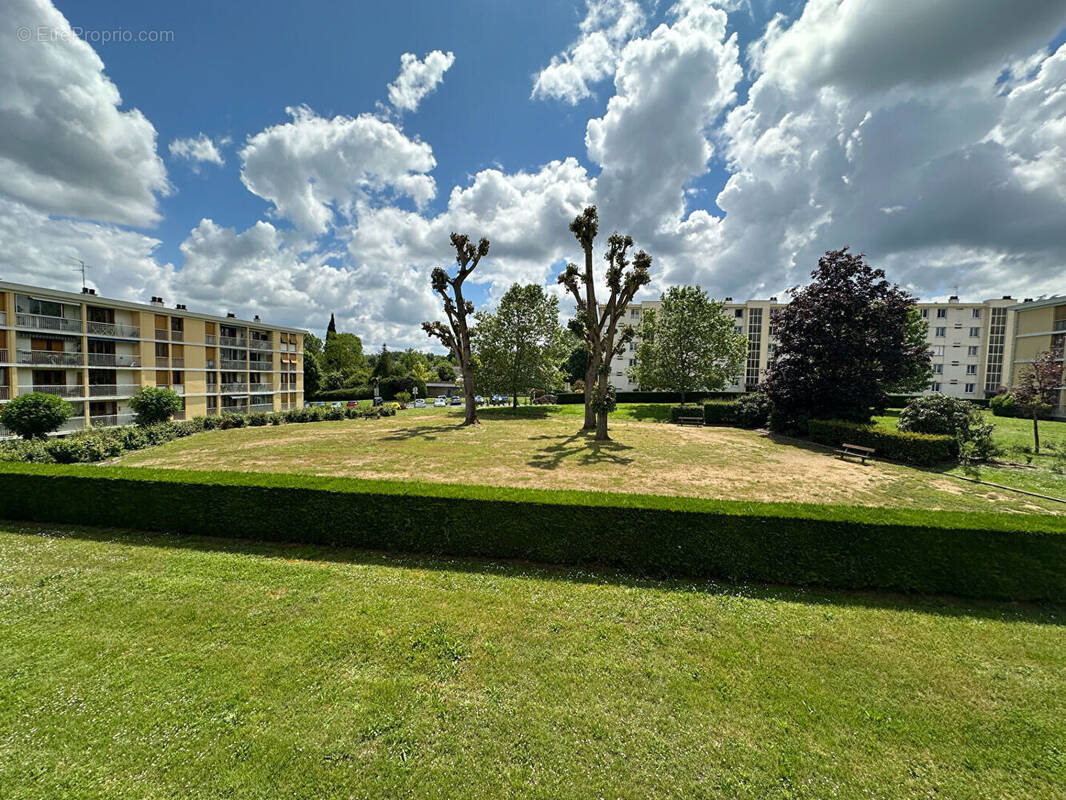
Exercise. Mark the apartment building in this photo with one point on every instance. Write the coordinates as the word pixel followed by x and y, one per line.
pixel 972 345
pixel 1040 326
pixel 96 353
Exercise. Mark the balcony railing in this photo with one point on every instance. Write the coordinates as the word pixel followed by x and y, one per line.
pixel 162 361
pixel 112 329
pixel 257 388
pixel 60 390
pixel 234 365
pixel 162 333
pixel 177 362
pixel 50 357
pixel 261 407
pixel 113 360
pixel 5 392
pixel 46 323
pixel 260 366
pixel 112 420
pixel 3 355
pixel 177 387
pixel 231 341
pixel 210 338
pixel 234 388
pixel 179 415
pixel 112 389
pixel 211 363
pixel 177 336
pixel 1060 325
pixel 3 318
pixel 259 344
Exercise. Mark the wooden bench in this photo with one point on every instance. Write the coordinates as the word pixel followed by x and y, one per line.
pixel 690 420
pixel 856 450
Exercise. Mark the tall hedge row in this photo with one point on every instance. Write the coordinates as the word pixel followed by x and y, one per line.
pixel 911 448
pixel 1002 556
pixel 570 398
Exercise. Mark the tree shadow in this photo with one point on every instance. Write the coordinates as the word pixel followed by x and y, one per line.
pixel 522 412
pixel 582 447
pixel 654 412
pixel 426 433
pixel 596 574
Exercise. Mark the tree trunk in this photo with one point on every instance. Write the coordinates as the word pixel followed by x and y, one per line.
pixel 514 400
pixel 1036 435
pixel 590 387
pixel 471 406
pixel 601 416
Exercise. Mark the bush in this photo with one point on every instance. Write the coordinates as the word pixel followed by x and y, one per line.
pixel 943 415
pixel 990 555
pixel 753 410
pixel 155 404
pixel 570 398
pixel 35 415
pixel 333 414
pixel 1004 405
pixel 720 412
pixel 257 419
pixel 344 395
pixel 912 448
pixel 228 420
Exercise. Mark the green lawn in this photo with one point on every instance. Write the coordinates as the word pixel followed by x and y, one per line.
pixel 1044 473
pixel 542 447
pixel 154 666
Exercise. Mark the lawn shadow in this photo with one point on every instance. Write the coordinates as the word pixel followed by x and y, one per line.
pixel 939 605
pixel 508 412
pixel 654 412
pixel 426 433
pixel 582 447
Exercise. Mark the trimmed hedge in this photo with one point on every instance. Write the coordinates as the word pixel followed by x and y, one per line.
pixel 901 400
pixel 685 411
pixel 344 395
pixel 570 398
pixel 911 448
pixel 720 412
pixel 1002 556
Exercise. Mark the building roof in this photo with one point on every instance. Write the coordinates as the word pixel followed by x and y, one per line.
pixel 79 297
pixel 1057 300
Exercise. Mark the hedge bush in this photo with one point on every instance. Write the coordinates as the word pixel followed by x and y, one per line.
pixel 1002 556
pixel 685 411
pixel 911 448
pixel 344 395
pixel 570 398
pixel 720 412
pixel 753 410
pixel 901 400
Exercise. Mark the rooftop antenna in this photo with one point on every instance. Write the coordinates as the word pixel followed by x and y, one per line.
pixel 82 266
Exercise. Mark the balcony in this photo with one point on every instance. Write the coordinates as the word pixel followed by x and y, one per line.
pixel 260 388
pixel 177 336
pixel 179 388
pixel 260 366
pixel 3 355
pixel 163 334
pixel 112 389
pixel 112 420
pixel 5 392
pixel 210 338
pixel 44 323
pixel 231 341
pixel 112 329
pixel 113 360
pixel 179 415
pixel 263 407
pixel 230 364
pixel 61 390
pixel 259 344
pixel 235 388
pixel 162 361
pixel 178 363
pixel 1060 325
pixel 3 318
pixel 50 358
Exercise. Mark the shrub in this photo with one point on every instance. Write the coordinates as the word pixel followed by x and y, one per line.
pixel 228 420
pixel 276 418
pixel 753 410
pixel 1004 405
pixel 257 419
pixel 720 412
pixel 990 555
pixel 912 448
pixel 344 395
pixel 333 414
pixel 403 398
pixel 35 415
pixel 684 411
pixel 154 404
pixel 571 398
pixel 943 415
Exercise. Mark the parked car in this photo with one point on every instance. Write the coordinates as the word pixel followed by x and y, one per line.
pixel 320 403
pixel 379 401
pixel 353 403
pixel 440 402
pixel 479 400
pixel 457 401
pixel 545 400
pixel 307 404
pixel 420 403
pixel 336 404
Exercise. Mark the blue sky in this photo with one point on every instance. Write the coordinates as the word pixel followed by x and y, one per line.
pixel 735 140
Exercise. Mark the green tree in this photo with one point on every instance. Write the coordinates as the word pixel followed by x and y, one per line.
pixel 384 367
pixel 918 372
pixel 1038 389
pixel 344 353
pixel 687 345
pixel 154 404
pixel 35 415
pixel 312 374
pixel 445 372
pixel 421 373
pixel 312 345
pixel 456 334
pixel 521 346
pixel 577 363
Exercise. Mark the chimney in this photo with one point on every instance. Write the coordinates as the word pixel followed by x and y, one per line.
pixel 1027 300
pixel 729 299
pixel 231 315
pixel 92 292
pixel 953 299
pixel 773 299
pixel 85 290
pixel 257 318
pixel 1007 297
pixel 181 306
pixel 157 301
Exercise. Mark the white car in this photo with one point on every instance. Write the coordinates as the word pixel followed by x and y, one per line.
pixel 440 402
pixel 420 403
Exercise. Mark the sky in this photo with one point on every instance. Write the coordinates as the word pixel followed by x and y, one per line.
pixel 294 160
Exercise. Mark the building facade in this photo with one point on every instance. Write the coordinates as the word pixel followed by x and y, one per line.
pixel 975 347
pixel 1040 326
pixel 96 353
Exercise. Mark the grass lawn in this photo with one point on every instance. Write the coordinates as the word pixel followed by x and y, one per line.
pixel 543 448
pixel 153 666
pixel 1033 473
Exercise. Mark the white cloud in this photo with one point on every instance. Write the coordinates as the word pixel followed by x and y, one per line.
pixel 417 79
pixel 199 148
pixel 592 57
pixel 311 167
pixel 65 147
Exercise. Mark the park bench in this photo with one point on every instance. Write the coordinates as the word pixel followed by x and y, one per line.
pixel 693 420
pixel 856 450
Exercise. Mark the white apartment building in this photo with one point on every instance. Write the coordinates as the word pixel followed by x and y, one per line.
pixel 971 344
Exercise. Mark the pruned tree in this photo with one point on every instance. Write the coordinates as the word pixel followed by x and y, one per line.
pixel 521 346
pixel 599 326
pixel 456 334
pixel 687 345
pixel 1038 390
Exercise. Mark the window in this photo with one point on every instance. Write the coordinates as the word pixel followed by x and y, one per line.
pixel 977 313
pixel 632 347
pixel 938 369
pixel 938 350
pixel 934 387
pixel 971 369
pixel 738 313
pixel 632 362
pixel 634 312
pixel 972 351
pixel 975 332
pixel 941 332
pixel 161 350
pixel 925 313
pixel 970 388
pixel 941 313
